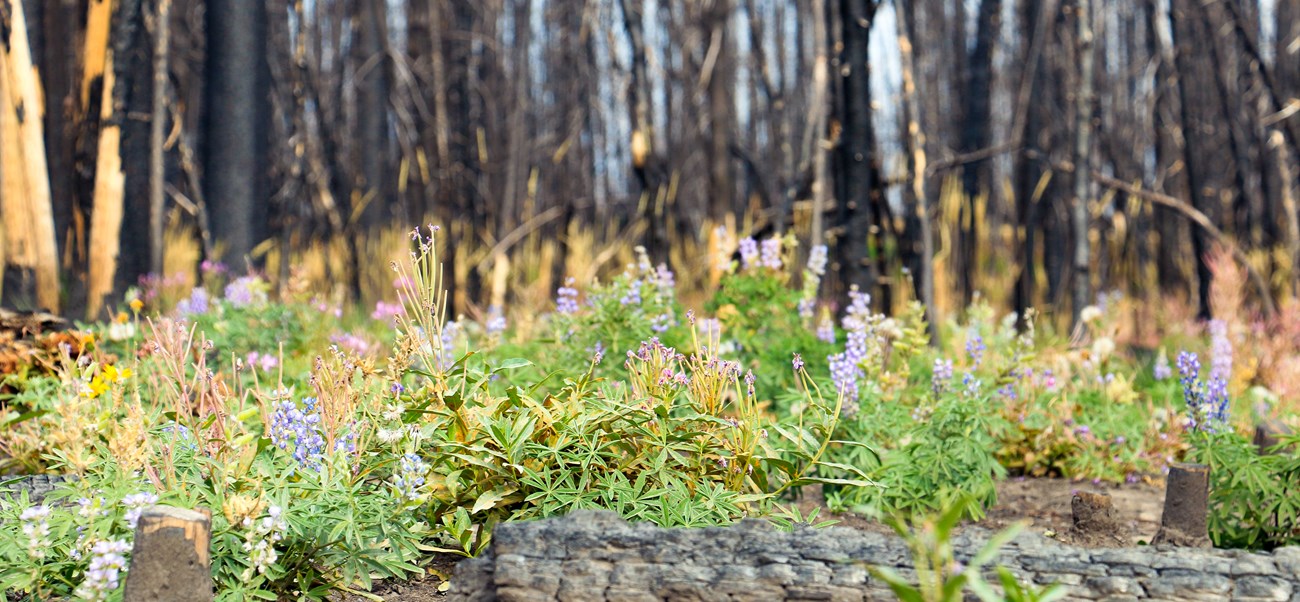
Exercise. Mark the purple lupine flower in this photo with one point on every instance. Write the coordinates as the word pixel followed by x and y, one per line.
pixel 292 426
pixel 942 376
pixel 817 260
pixel 749 253
pixel 633 294
pixel 664 279
pixel 597 352
pixel 975 348
pixel 826 330
pixel 661 322
pixel 245 292
pixel 410 478
pixel 797 362
pixel 1220 351
pixel 196 304
pixel 107 563
pixel 771 253
pixel 972 385
pixel 1162 371
pixel 566 298
pixel 496 321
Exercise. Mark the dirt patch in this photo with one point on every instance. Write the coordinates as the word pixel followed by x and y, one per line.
pixel 1046 504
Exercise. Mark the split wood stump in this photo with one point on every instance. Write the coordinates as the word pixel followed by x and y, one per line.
pixel 169 562
pixel 1268 434
pixel 1187 497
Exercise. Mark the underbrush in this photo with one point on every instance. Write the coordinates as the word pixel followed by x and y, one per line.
pixel 335 447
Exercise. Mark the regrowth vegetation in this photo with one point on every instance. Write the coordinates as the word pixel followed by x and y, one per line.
pixel 335 448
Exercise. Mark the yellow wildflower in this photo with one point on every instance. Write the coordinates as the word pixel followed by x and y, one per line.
pixel 136 305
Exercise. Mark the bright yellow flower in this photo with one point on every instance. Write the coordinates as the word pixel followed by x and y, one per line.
pixel 122 317
pixel 96 388
pixel 136 305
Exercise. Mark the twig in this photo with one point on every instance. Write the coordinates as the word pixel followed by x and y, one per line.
pixel 1200 219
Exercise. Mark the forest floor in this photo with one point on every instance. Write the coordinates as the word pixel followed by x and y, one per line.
pixel 1045 503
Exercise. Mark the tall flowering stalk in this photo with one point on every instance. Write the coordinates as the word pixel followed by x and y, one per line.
pixel 1207 402
pixel 425 300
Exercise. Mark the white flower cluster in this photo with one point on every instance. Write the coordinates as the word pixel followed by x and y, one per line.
pixel 36 527
pixel 135 505
pixel 261 538
pixel 106 567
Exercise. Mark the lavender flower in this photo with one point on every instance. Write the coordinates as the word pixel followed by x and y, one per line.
pixel 245 292
pixel 1207 403
pixel 496 321
pixel 941 377
pixel 771 253
pixel 797 362
pixel 1162 370
pixel 749 253
pixel 826 330
pixel 975 348
pixel 633 294
pixel 410 478
pixel 972 385
pixel 1220 351
pixel 664 279
pixel 566 298
pixel 36 527
pixel 107 563
pixel 661 322
pixel 597 353
pixel 196 304
pixel 817 260
pixel 135 505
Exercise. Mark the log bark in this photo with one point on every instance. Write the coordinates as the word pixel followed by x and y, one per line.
pixel 1185 519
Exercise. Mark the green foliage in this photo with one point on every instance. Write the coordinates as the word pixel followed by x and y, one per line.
pixel 1254 498
pixel 939 577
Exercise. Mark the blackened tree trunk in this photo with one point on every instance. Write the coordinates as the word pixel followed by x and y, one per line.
pixel 1194 151
pixel 977 133
pixel 721 72
pixel 858 167
pixel 133 70
pixel 238 102
pixel 372 113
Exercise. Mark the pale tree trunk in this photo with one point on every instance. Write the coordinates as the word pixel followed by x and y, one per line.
pixel 1082 157
pixel 25 96
pixel 106 216
pixel 914 140
pixel 157 174
pixel 819 106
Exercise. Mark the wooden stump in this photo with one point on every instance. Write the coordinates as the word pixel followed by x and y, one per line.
pixel 1187 497
pixel 1092 512
pixel 1268 434
pixel 1094 520
pixel 169 561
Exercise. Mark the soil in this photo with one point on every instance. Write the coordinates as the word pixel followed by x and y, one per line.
pixel 1045 503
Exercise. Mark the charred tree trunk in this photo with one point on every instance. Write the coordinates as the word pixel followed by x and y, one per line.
pixel 976 134
pixel 858 165
pixel 238 112
pixel 1194 150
